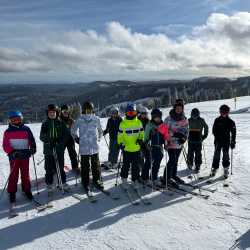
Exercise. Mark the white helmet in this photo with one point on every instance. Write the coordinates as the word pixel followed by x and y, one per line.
pixel 114 111
pixel 142 109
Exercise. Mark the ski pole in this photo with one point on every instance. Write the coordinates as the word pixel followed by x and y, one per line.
pixel 204 154
pixel 106 141
pixel 34 164
pixel 231 161
pixel 151 167
pixel 2 193
pixel 59 177
pixel 166 168
pixel 118 169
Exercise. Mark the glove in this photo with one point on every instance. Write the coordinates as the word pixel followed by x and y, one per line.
pixel 182 140
pixel 32 151
pixel 122 147
pixel 77 140
pixel 203 137
pixel 232 144
pixel 105 132
pixel 16 154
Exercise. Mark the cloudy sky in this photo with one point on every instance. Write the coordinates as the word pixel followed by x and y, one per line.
pixel 86 40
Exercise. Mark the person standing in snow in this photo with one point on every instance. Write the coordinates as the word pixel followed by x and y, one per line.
pixel 112 129
pixel 130 139
pixel 87 131
pixel 198 132
pixel 224 131
pixel 54 136
pixel 70 144
pixel 155 141
pixel 145 161
pixel 19 144
pixel 177 125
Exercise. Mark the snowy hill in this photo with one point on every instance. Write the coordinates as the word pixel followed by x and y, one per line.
pixel 171 222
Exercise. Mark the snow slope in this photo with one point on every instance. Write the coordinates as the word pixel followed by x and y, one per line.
pixel 171 222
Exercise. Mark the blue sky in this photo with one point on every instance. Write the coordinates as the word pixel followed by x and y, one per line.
pixel 29 27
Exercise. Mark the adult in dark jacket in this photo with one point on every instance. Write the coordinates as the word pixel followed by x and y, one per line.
pixel 224 131
pixel 54 136
pixel 198 132
pixel 112 129
pixel 70 144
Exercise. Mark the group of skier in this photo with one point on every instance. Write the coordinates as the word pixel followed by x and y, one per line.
pixel 140 140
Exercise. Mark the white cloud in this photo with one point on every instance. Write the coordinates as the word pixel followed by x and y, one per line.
pixel 219 47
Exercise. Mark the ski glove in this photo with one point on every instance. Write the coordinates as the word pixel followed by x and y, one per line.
pixel 232 144
pixel 105 132
pixel 32 151
pixel 140 142
pixel 16 154
pixel 181 137
pixel 203 137
pixel 122 147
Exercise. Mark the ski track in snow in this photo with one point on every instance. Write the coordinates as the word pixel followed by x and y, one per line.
pixel 171 222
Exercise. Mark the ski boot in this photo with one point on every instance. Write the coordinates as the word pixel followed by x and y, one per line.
pixel 50 190
pixel 213 172
pixel 172 183
pixel 66 187
pixel 124 184
pixel 178 180
pixel 98 184
pixel 29 195
pixel 135 185
pixel 226 173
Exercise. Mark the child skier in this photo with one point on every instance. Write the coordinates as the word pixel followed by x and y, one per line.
pixel 130 139
pixel 54 136
pixel 177 125
pixel 19 144
pixel 198 132
pixel 87 131
pixel 112 129
pixel 70 144
pixel 155 141
pixel 224 131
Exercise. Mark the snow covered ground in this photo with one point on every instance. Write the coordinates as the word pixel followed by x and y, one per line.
pixel 171 222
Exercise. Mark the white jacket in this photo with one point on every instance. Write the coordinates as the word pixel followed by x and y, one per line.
pixel 88 129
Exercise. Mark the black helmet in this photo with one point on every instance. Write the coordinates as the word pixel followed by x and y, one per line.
pixel 52 107
pixel 156 113
pixel 195 113
pixel 224 108
pixel 64 107
pixel 87 106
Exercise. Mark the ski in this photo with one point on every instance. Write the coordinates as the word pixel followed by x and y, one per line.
pixel 40 207
pixel 12 212
pixel 108 193
pixel 129 196
pixel 160 189
pixel 199 187
pixel 91 197
pixel 80 197
pixel 144 200
pixel 204 196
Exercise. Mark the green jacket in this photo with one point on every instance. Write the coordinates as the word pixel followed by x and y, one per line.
pixel 198 130
pixel 130 131
pixel 53 132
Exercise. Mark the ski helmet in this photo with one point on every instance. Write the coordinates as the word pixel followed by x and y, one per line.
pixel 16 113
pixel 64 107
pixel 224 109
pixel 52 107
pixel 156 113
pixel 195 113
pixel 130 107
pixel 87 106
pixel 114 111
pixel 142 110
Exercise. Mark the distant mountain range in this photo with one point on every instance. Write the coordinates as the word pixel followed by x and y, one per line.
pixel 32 99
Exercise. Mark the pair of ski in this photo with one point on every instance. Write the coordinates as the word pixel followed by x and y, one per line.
pixel 134 196
pixel 38 206
pixel 91 197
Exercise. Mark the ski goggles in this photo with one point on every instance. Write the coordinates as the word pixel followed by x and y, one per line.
pixel 16 120
pixel 131 113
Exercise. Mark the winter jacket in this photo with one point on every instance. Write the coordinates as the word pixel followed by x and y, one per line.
pixel 18 138
pixel 53 134
pixel 68 121
pixel 152 134
pixel 113 127
pixel 224 130
pixel 198 130
pixel 88 127
pixel 130 131
pixel 178 129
